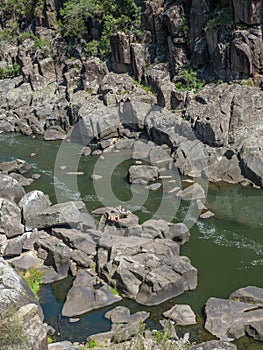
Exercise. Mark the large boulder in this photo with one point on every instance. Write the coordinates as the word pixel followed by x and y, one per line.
pixel 33 202
pixel 182 314
pixel 92 297
pixel 16 165
pixel 143 173
pixel 14 291
pixel 233 319
pixel 68 213
pixel 149 271
pixel 10 188
pixel 213 345
pixel 10 218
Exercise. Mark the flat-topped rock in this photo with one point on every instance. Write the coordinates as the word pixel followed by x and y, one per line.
pixel 182 314
pixel 143 174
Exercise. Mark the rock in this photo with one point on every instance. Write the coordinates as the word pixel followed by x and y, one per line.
pixel 17 166
pixel 207 215
pixel 141 150
pixel 54 133
pixel 26 261
pixel 91 298
pixel 14 246
pixel 153 187
pixel 229 319
pixel 248 12
pixel 143 173
pixel 192 192
pixel 81 259
pixel 251 294
pixel 96 177
pixel 57 254
pixel 178 233
pixel 155 228
pixel 14 290
pixel 76 239
pixel 214 344
pixel 121 314
pixel 85 151
pixel 35 176
pixel 125 332
pixel 182 314
pixel 10 188
pixel 141 56
pixel 124 144
pixel 35 330
pixel 121 56
pixel 10 219
pixel 33 202
pixel 69 213
pixel 21 179
pixel 149 271
pixel 159 157
pixel 63 345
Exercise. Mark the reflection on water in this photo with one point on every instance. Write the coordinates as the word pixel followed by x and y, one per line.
pixel 227 249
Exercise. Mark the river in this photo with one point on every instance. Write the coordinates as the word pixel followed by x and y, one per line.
pixel 227 249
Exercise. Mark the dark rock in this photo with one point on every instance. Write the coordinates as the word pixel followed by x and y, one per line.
pixel 142 55
pixel 10 219
pixel 94 72
pixel 81 259
pixel 143 173
pixel 182 314
pixel 121 56
pixel 249 12
pixel 57 254
pixel 10 188
pixel 155 228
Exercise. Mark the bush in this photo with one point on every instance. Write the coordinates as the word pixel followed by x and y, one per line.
pixel 33 278
pixel 12 332
pixel 9 71
pixel 189 82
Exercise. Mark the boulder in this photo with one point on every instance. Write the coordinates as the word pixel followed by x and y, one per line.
pixel 33 202
pixel 14 290
pixel 213 345
pixel 250 294
pixel 14 246
pixel 10 218
pixel 229 319
pixel 120 49
pixel 141 150
pixel 10 188
pixel 149 271
pixel 179 233
pixel 26 261
pixel 63 345
pixel 143 174
pixel 182 315
pixel 21 179
pixel 193 192
pixel 35 330
pixel 76 239
pixel 68 213
pixel 247 11
pixel 17 166
pixel 54 253
pixel 54 133
pixel 91 298
pixel 121 314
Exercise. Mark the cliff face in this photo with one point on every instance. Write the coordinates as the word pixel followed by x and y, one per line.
pixel 222 40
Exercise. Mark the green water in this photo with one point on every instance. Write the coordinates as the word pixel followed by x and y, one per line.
pixel 227 250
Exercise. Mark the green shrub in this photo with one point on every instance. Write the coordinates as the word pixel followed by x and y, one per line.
pixel 33 278
pixel 114 291
pixel 225 15
pixel 190 81
pixel 9 71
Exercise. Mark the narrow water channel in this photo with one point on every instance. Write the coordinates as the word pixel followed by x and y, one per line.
pixel 227 249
